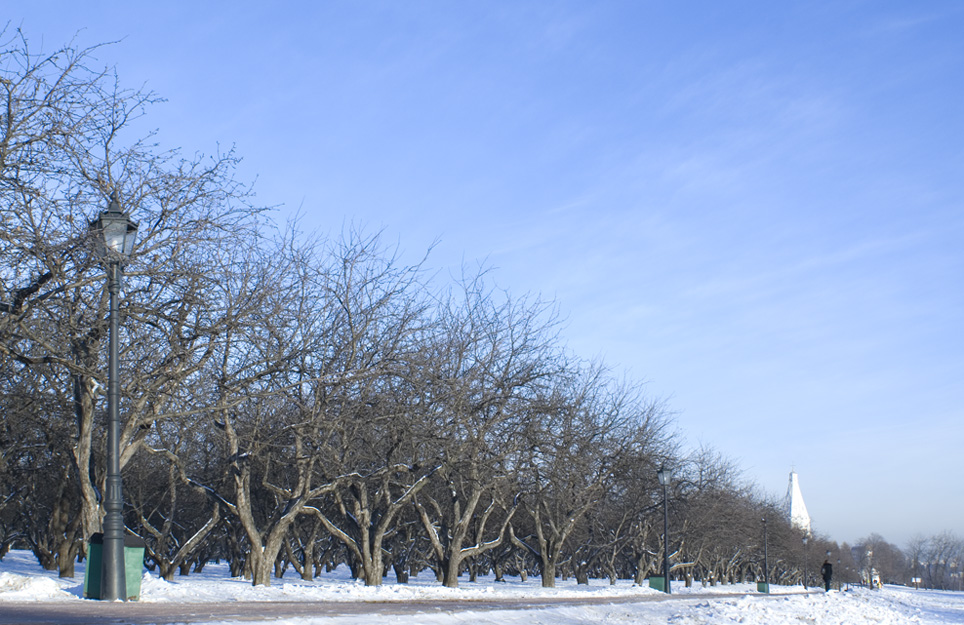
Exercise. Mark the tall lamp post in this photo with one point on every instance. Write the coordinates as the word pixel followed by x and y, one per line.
pixel 663 475
pixel 806 560
pixel 766 559
pixel 114 234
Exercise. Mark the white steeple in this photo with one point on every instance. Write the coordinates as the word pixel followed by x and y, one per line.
pixel 796 509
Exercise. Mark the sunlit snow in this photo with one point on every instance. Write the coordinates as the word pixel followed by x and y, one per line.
pixel 22 580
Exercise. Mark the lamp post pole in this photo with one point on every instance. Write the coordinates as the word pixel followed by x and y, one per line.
pixel 806 560
pixel 113 576
pixel 115 232
pixel 766 560
pixel 663 476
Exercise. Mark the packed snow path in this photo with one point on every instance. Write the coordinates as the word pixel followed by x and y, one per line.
pixel 134 613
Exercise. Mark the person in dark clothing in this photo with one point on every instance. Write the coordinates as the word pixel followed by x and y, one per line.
pixel 827 572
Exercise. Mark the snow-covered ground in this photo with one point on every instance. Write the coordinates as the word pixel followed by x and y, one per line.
pixel 22 580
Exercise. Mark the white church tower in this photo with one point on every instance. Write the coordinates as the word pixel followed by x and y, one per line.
pixel 796 509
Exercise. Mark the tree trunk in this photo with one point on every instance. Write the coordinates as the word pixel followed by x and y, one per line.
pixel 548 575
pixel 90 513
pixel 401 572
pixel 582 576
pixel 308 553
pixel 166 570
pixel 259 567
pixel 67 557
pixel 374 569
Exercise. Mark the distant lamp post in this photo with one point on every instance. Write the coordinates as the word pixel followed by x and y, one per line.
pixel 664 477
pixel 114 232
pixel 766 558
pixel 806 560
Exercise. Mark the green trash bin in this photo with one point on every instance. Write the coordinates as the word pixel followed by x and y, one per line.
pixel 658 583
pixel 133 566
pixel 763 587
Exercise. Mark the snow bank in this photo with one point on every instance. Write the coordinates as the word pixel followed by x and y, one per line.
pixel 14 587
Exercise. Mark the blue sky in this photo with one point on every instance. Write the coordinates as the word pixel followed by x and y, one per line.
pixel 757 207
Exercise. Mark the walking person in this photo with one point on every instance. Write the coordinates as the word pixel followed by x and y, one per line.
pixel 827 572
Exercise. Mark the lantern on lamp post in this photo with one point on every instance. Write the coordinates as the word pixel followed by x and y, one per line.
pixel 114 234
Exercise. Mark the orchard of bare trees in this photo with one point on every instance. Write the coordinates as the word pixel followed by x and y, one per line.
pixel 296 401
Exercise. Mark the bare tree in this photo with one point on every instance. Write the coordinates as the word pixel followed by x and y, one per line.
pixel 941 559
pixel 586 425
pixel 305 401
pixel 366 400
pixel 484 369
pixel 881 559
pixel 719 513
pixel 169 510
pixel 62 153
